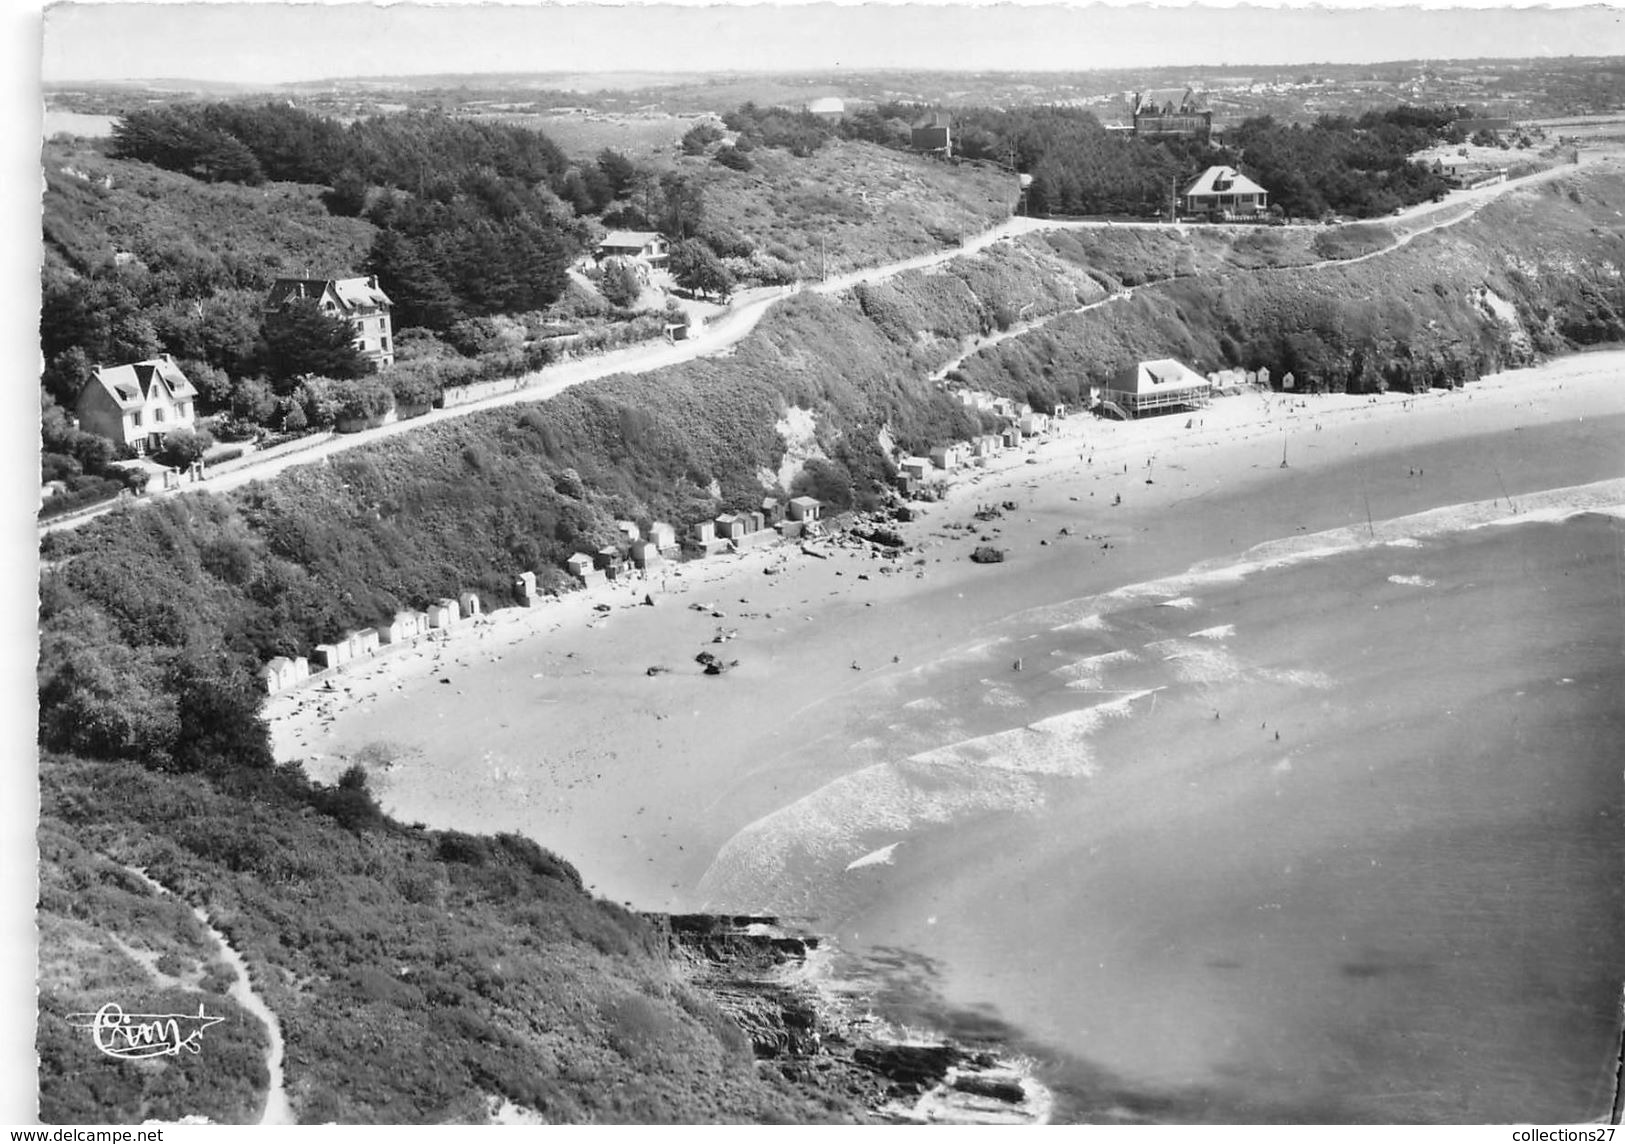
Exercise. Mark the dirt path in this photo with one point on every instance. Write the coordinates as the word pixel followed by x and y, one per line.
pixel 750 306
pixel 278 1109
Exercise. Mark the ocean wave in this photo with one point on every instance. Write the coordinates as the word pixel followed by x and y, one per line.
pixel 783 857
pixel 1093 622
pixel 778 856
pixel 1550 505
pixel 998 695
pixel 1091 670
pixel 1198 662
pixel 881 857
pixel 1221 632
pixel 1413 581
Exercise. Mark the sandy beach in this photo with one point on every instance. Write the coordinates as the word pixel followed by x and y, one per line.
pixel 547 721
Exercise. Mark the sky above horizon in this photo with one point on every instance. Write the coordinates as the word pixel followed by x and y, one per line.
pixel 278 42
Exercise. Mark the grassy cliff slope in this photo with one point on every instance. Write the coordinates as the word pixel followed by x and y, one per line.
pixel 417 976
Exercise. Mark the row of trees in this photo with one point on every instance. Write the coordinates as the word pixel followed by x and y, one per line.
pixel 1353 166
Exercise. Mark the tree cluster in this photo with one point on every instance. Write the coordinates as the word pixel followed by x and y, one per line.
pixel 1340 165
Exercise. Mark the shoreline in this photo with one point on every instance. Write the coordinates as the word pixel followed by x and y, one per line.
pixel 298 716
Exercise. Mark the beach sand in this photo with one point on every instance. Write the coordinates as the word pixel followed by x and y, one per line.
pixel 546 721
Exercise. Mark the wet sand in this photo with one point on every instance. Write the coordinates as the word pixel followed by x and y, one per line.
pixel 548 722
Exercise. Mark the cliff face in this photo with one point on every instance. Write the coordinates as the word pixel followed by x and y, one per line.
pixel 1539 272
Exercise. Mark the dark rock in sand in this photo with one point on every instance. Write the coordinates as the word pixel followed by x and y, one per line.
pixel 994 1088
pixel 987 554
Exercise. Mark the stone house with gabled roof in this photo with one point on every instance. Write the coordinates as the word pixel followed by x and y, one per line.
pixel 360 302
pixel 137 404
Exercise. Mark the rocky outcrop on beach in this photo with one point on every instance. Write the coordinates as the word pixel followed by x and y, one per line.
pixel 819 1034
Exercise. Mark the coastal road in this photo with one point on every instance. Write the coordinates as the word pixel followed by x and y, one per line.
pixel 746 312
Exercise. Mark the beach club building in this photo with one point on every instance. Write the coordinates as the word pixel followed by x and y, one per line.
pixel 1152 386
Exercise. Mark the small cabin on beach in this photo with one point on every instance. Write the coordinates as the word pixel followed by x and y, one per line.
pixel 646 554
pixel 663 535
pixel 805 508
pixel 333 655
pixel 469 604
pixel 282 673
pixel 629 529
pixel 705 531
pixel 730 526
pixel 524 589
pixel 608 561
pixel 444 614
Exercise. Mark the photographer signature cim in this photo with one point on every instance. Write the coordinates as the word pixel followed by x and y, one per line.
pixel 136 1036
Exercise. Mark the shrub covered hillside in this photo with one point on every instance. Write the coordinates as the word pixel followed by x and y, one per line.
pixel 1539 272
pixel 417 976
pixel 848 204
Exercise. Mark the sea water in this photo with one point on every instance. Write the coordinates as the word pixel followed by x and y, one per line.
pixel 1334 837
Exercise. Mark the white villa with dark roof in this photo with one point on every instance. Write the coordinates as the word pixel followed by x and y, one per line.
pixel 361 302
pixel 137 404
pixel 1226 192
pixel 647 245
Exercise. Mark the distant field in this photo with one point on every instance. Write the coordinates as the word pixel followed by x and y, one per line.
pixel 581 136
pixel 78 123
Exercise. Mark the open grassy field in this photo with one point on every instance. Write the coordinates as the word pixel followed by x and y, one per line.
pixel 852 204
pixel 645 137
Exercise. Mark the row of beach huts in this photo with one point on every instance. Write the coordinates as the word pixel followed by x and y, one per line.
pixel 443 615
pixel 1025 423
pixel 640 549
pixel 775 519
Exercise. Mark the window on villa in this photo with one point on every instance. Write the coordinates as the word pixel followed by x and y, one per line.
pixel 137 418
pixel 158 416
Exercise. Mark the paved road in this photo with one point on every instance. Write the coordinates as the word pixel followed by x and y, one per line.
pixel 748 308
